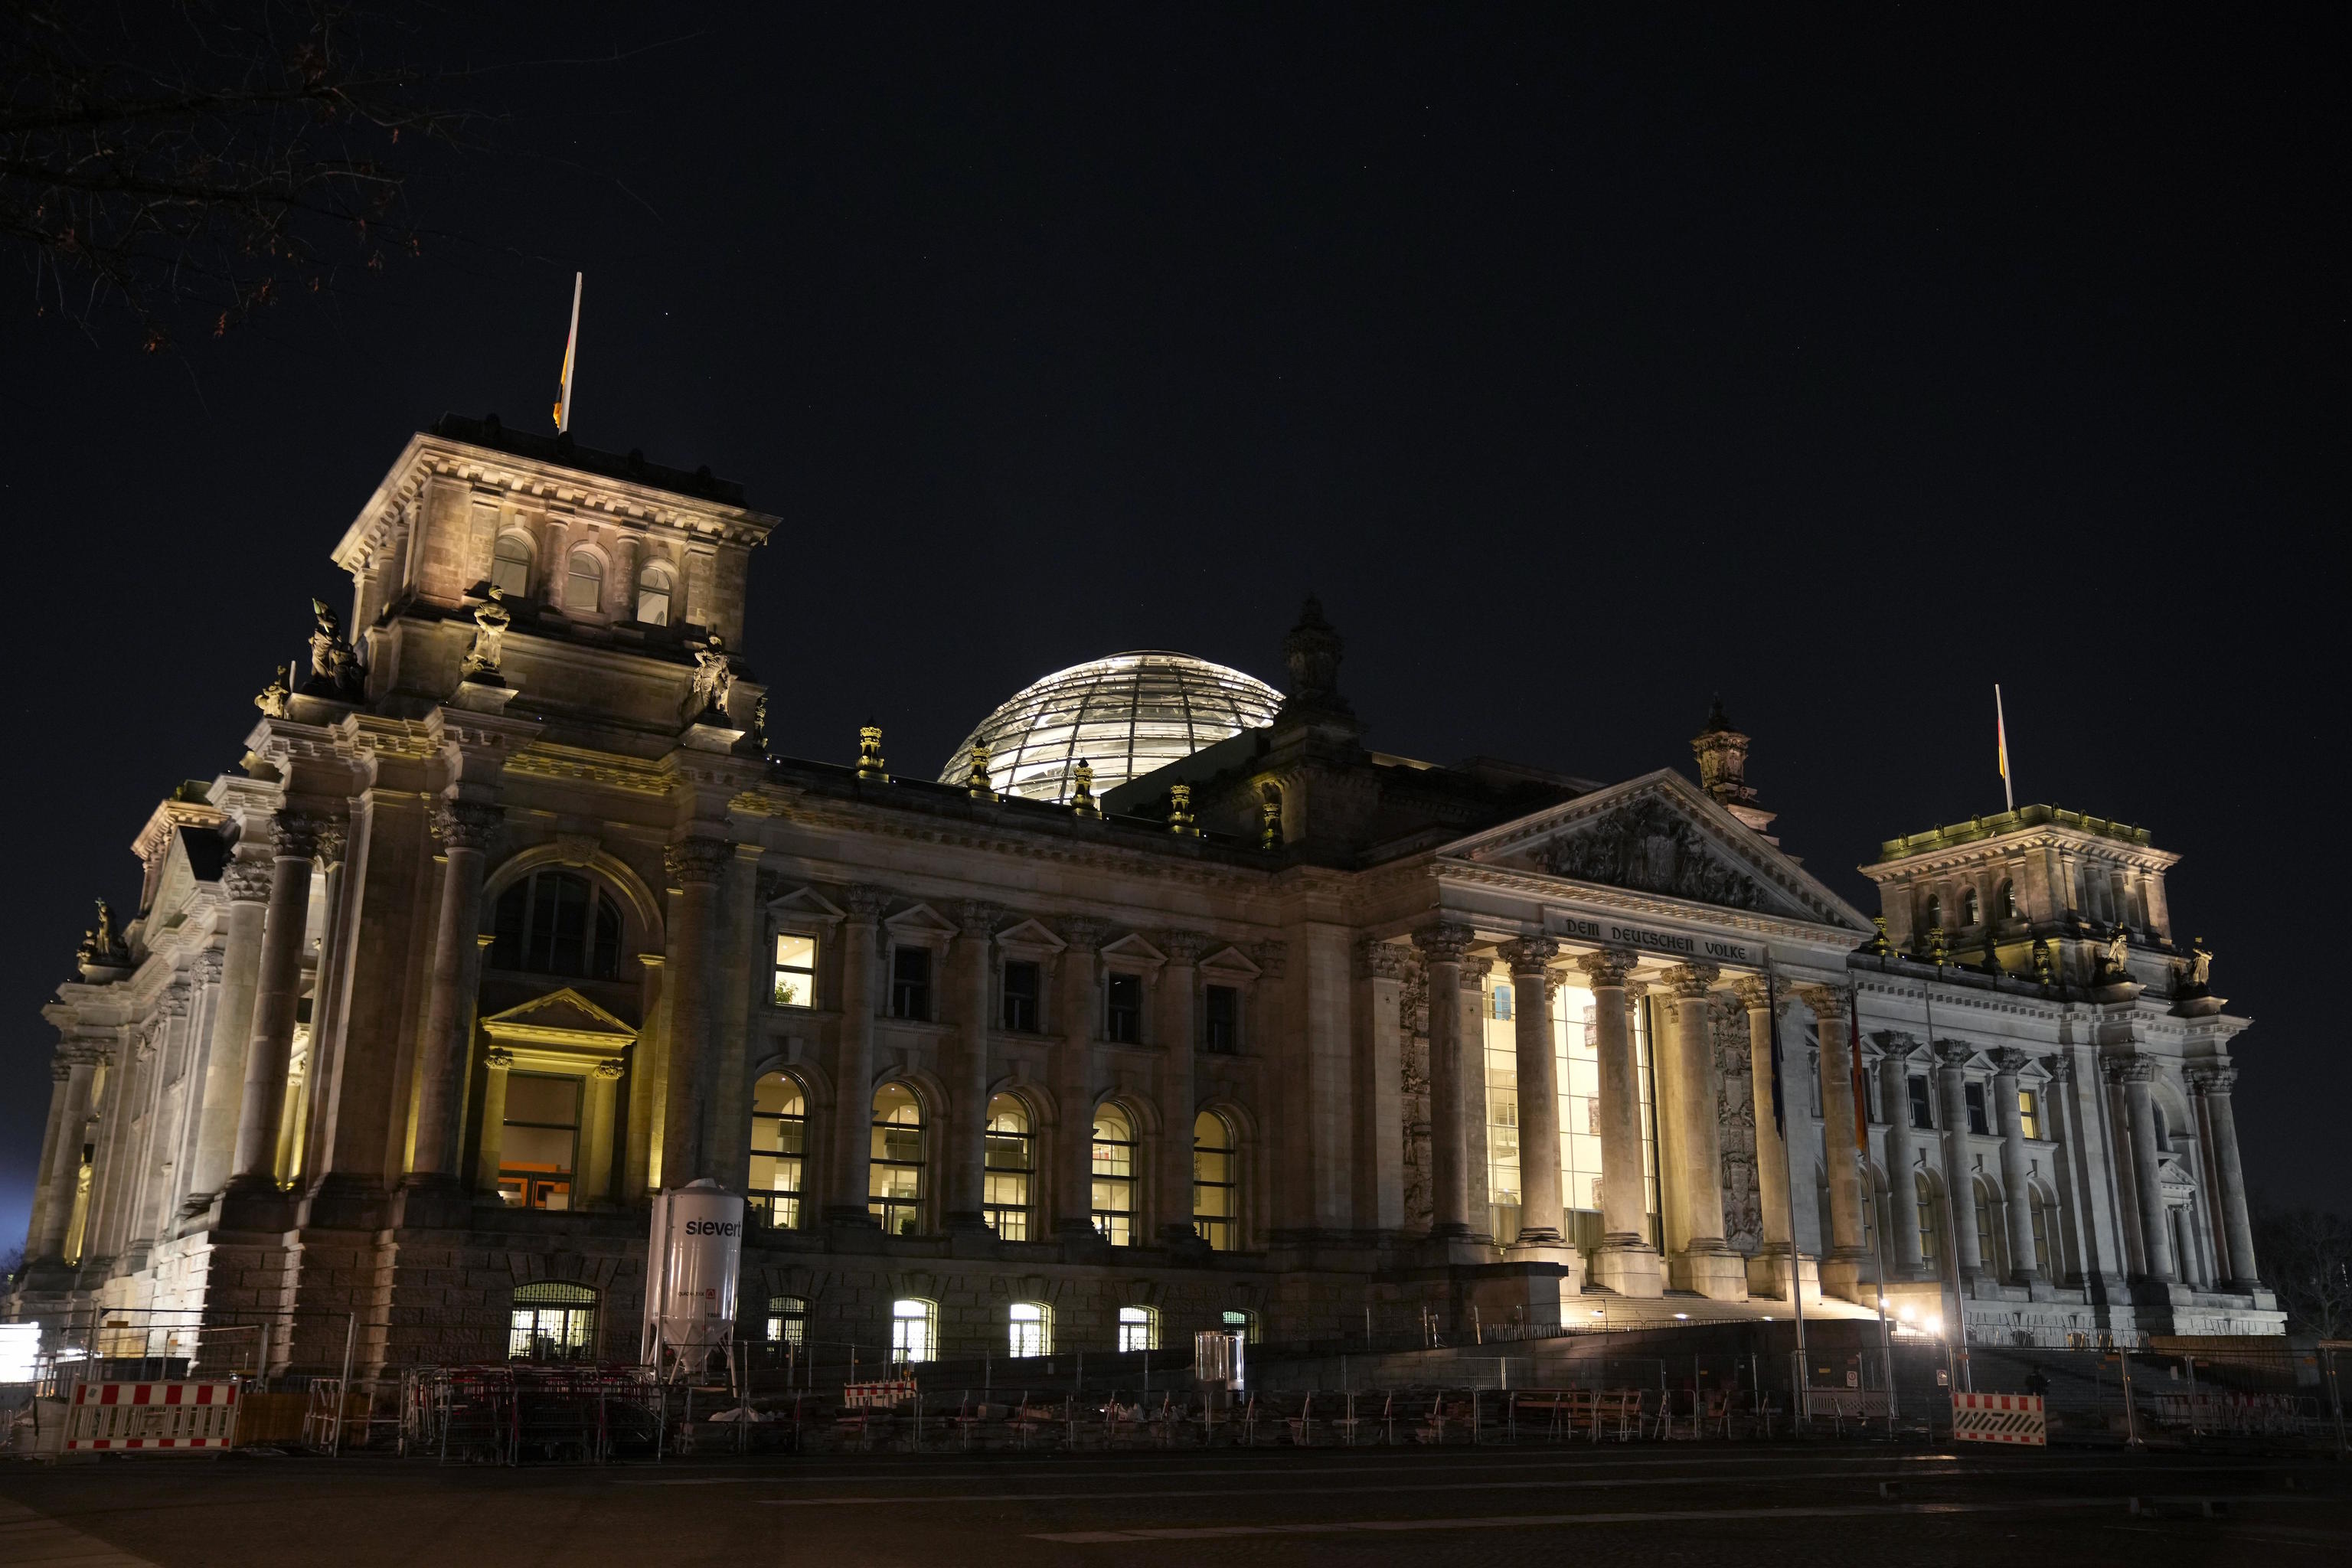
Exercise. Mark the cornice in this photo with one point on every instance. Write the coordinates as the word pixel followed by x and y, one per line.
pixel 1012 841
pixel 1562 891
pixel 546 759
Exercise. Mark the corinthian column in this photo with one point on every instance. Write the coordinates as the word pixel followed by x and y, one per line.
pixel 466 829
pixel 1178 1092
pixel 1847 1259
pixel 1626 1262
pixel 2018 1204
pixel 2135 1074
pixel 1442 947
pixel 245 884
pixel 278 995
pixel 697 864
pixel 1771 1143
pixel 1960 1177
pixel 1895 1052
pixel 1540 1214
pixel 77 1066
pixel 1703 1262
pixel 2213 1082
pixel 1069 1187
pixel 967 1107
pixel 852 1093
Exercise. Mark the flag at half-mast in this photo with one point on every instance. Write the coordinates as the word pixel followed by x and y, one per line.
pixel 571 356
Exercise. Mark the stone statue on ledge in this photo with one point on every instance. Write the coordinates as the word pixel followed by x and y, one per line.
pixel 714 678
pixel 335 669
pixel 272 700
pixel 491 618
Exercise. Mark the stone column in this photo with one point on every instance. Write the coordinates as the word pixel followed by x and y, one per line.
pixel 1070 1185
pixel 1626 1262
pixel 467 830
pixel 1379 1107
pixel 1541 1214
pixel 853 1090
pixel 1959 1176
pixel 1704 1263
pixel 325 1009
pixel 1442 947
pixel 78 1067
pixel 44 1180
pixel 1771 1143
pixel 2018 1203
pixel 598 1130
pixel 278 993
pixel 497 1064
pixel 697 864
pixel 1895 1052
pixel 967 1107
pixel 2213 1081
pixel 1847 1260
pixel 1178 1094
pixel 245 884
pixel 727 1123
pixel 646 1076
pixel 2135 1074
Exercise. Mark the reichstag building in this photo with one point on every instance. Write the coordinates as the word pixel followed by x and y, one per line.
pixel 1166 1004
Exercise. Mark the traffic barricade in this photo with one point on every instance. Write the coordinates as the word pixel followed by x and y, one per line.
pixel 2013 1418
pixel 151 1417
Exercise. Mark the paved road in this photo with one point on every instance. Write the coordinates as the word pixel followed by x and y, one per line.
pixel 1493 1507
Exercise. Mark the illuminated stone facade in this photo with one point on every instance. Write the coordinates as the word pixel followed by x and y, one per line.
pixel 509 919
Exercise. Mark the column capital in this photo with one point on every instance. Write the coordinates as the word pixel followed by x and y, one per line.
pixel 1954 1054
pixel 1690 981
pixel 1378 960
pixel 2008 1061
pixel 610 1070
pixel 696 858
pixel 2212 1077
pixel 1528 956
pixel 467 824
pixel 2060 1067
pixel 498 1060
pixel 1476 968
pixel 977 917
pixel 865 901
pixel 1894 1045
pixel 1085 933
pixel 1272 957
pixel 2131 1069
pixel 1753 992
pixel 1183 947
pixel 1827 1002
pixel 295 835
pixel 245 881
pixel 1443 942
pixel 1606 966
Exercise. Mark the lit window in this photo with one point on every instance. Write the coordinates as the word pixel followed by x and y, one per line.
pixel 1245 1322
pixel 556 922
pixel 779 1139
pixel 1216 1207
pixel 1009 1159
pixel 1222 1034
pixel 510 566
pixel 1139 1329
pixel 1923 1104
pixel 1975 1097
pixel 1023 983
pixel 795 979
pixel 540 1142
pixel 584 584
pixel 653 596
pixel 1032 1329
pixel 551 1322
pixel 2028 1114
pixel 787 1320
pixel 914 1330
pixel 911 984
pixel 895 1187
pixel 1123 1009
pixel 1114 1176
pixel 1501 1007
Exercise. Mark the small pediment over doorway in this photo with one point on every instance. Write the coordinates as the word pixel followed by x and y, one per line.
pixel 561 1017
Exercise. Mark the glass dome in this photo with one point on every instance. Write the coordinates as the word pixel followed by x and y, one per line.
pixel 1127 715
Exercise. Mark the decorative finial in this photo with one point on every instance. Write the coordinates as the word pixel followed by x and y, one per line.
pixel 1082 797
pixel 1878 946
pixel 1179 811
pixel 1938 953
pixel 272 700
pixel 1269 817
pixel 870 764
pixel 975 783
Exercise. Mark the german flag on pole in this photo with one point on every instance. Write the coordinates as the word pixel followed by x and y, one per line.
pixel 2001 748
pixel 571 352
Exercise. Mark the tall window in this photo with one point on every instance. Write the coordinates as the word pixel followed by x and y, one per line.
pixel 1032 1329
pixel 2028 1114
pixel 2163 1131
pixel 1139 1329
pixel 895 1189
pixel 1114 1176
pixel 540 1142
pixel 1989 1230
pixel 1011 1157
pixel 1923 1104
pixel 914 1330
pixel 557 922
pixel 1123 1009
pixel 1499 1040
pixel 1934 911
pixel 653 596
pixel 2039 1210
pixel 584 584
pixel 1974 1095
pixel 1971 910
pixel 1234 1318
pixel 1223 1031
pixel 795 976
pixel 2005 902
pixel 911 984
pixel 551 1322
pixel 510 566
pixel 1023 983
pixel 787 1320
pixel 1931 1241
pixel 1216 1194
pixel 779 1139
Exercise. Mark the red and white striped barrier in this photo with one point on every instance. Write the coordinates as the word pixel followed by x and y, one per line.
pixel 151 1417
pixel 2000 1418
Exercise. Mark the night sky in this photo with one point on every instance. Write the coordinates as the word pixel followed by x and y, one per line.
pixel 1843 362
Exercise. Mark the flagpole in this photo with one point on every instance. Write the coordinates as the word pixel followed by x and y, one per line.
pixel 1959 1323
pixel 571 356
pixel 1804 1410
pixel 2001 738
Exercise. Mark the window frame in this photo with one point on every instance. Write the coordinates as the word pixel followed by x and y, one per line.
pixel 781 1206
pixel 668 592
pixel 1110 1223
pixel 1205 1226
pixel 528 561
pixel 899 1215
pixel 1011 1004
pixel 598 962
pixel 2028 1113
pixel 996 1210
pixel 1232 1046
pixel 787 1324
pixel 1921 1097
pixel 572 555
pixel 1137 1328
pixel 903 1342
pixel 533 1181
pixel 1980 1113
pixel 576 1306
pixel 1132 1032
pixel 1029 1330
pixel 778 968
pixel 905 992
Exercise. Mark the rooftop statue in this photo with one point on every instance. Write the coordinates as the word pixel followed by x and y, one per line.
pixel 491 618
pixel 714 678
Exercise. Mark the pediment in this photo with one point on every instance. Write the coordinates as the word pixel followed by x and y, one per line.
pixel 1135 950
pixel 562 1015
pixel 806 903
pixel 1661 835
pixel 921 918
pixel 1229 962
pixel 1031 934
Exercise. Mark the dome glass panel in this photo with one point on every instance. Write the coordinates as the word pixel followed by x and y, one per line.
pixel 1127 715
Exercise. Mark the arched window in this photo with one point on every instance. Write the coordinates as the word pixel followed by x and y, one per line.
pixel 1114 1176
pixel 895 1193
pixel 1989 1247
pixel 557 922
pixel 1216 1188
pixel 652 595
pixel 1031 1329
pixel 787 1320
pixel 1009 1158
pixel 2039 1208
pixel 779 1139
pixel 2005 902
pixel 914 1330
pixel 584 584
pixel 2163 1130
pixel 1931 1240
pixel 1139 1329
pixel 1971 909
pixel 549 1322
pixel 1934 910
pixel 510 566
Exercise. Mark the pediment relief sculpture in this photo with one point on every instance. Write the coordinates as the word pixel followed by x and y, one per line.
pixel 1650 848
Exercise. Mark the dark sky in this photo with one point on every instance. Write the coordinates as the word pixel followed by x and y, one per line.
pixel 1844 362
